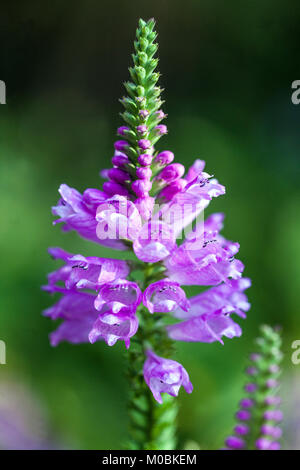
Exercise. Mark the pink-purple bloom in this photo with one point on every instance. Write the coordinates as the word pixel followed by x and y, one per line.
pixel 165 376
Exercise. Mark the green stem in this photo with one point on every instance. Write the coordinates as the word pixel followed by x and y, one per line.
pixel 151 425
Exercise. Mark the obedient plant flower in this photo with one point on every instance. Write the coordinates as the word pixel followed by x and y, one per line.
pixel 258 415
pixel 147 203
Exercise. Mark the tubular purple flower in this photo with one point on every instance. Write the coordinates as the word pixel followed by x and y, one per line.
pixel 168 192
pixel 246 403
pixel 145 206
pixel 155 242
pixel 165 376
pixel 113 326
pixel 119 294
pixel 165 296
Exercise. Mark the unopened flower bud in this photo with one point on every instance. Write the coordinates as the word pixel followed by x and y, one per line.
pixel 243 415
pixel 118 175
pixel 119 159
pixel 241 429
pixel 144 144
pixel 141 187
pixel 121 130
pixel 171 172
pixel 235 443
pixel 142 129
pixel 173 188
pixel 273 415
pixel 111 188
pixel 145 159
pixel 143 113
pixel 144 173
pixel 121 145
pixel 161 129
pixel 246 403
pixel 164 158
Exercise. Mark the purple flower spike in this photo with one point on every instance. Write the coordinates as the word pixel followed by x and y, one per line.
pixel 121 130
pixel 165 376
pixel 119 294
pixel 121 145
pixel 113 326
pixel 164 158
pixel 243 415
pixel 171 173
pixel 241 429
pixel 144 144
pixel 235 443
pixel 165 296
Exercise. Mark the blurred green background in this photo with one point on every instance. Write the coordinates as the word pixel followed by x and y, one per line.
pixel 227 69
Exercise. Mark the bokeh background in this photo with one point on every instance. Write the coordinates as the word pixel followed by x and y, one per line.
pixel 227 69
